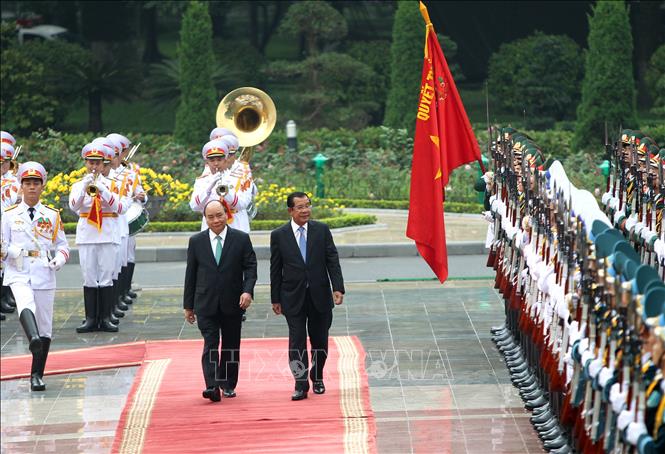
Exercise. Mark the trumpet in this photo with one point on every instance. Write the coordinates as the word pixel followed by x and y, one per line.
pixel 221 188
pixel 92 189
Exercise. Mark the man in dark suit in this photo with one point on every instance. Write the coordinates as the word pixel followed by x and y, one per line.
pixel 303 264
pixel 219 285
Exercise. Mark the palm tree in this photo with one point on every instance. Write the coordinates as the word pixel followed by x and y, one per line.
pixel 99 81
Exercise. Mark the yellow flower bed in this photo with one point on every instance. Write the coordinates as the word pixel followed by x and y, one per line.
pixel 58 187
pixel 271 203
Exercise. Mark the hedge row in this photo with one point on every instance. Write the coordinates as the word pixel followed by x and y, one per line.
pixel 450 207
pixel 346 220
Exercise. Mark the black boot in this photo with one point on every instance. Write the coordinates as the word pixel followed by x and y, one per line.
pixel 4 300
pixel 106 306
pixel 125 283
pixel 117 295
pixel 10 298
pixel 38 365
pixel 130 275
pixel 90 304
pixel 30 327
pixel 2 317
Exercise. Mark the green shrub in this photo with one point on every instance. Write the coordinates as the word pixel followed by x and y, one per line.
pixel 406 54
pixel 539 74
pixel 198 98
pixel 608 89
pixel 346 220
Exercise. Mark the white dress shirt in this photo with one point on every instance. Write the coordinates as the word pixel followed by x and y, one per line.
pixel 296 233
pixel 213 241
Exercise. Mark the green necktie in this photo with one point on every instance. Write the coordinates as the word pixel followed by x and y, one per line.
pixel 218 249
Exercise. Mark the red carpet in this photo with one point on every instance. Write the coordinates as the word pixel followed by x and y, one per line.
pixel 77 360
pixel 166 413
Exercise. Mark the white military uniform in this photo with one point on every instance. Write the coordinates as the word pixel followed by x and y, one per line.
pixel 97 243
pixel 32 244
pixel 9 184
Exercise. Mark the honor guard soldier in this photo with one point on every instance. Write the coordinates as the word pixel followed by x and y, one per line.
pixel 35 247
pixel 216 185
pixel 241 173
pixel 135 191
pixel 9 187
pixel 96 236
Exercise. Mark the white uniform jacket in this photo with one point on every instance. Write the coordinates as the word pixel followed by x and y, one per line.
pixel 112 206
pixel 31 244
pixel 10 187
pixel 237 199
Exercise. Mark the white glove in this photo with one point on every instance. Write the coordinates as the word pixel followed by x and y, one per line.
pixel 87 179
pixel 634 431
pixel 587 356
pixel 574 334
pixel 630 222
pixel 604 376
pixel 617 215
pixel 584 343
pixel 488 216
pixel 618 398
pixel 57 263
pixel 606 197
pixel 13 251
pixel 625 418
pixel 594 367
pixel 214 180
pixel 488 178
pixel 647 234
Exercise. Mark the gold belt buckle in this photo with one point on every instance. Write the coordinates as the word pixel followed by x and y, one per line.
pixel 33 254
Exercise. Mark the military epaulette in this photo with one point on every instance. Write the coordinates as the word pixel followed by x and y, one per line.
pixel 58 210
pixel 11 207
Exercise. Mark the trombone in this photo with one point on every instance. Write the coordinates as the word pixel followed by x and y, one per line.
pixel 130 154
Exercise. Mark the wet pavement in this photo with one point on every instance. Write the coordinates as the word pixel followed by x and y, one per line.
pixel 437 383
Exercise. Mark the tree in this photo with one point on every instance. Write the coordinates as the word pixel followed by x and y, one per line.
pixel 26 104
pixel 655 78
pixel 406 55
pixel 196 113
pixel 99 80
pixel 540 74
pixel 317 21
pixel 608 89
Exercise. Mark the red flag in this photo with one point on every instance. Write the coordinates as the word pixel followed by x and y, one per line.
pixel 444 140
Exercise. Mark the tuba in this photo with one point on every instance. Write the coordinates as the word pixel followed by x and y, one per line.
pixel 250 114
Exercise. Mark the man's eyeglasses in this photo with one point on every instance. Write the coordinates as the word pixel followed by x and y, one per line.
pixel 302 207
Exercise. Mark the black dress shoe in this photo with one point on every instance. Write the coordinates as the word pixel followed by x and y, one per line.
pixel 299 394
pixel 36 383
pixel 131 294
pixel 229 392
pixel 212 394
pixel 557 443
pixel 319 387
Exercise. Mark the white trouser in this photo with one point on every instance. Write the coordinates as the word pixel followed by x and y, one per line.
pixel 131 249
pixel 40 302
pixel 97 264
pixel 120 257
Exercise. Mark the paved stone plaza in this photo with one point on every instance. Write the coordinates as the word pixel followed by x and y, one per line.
pixel 437 383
